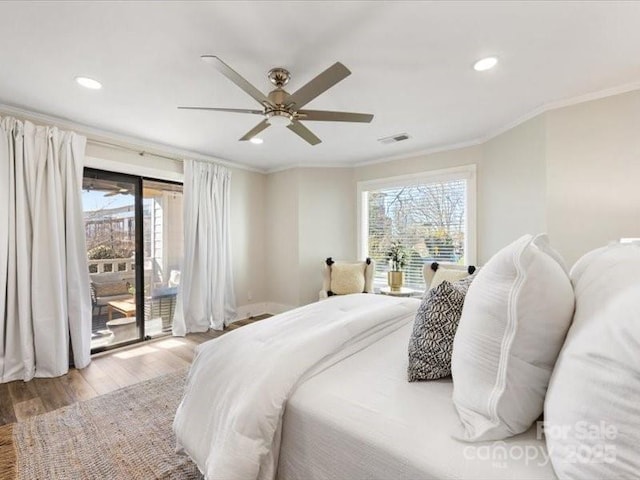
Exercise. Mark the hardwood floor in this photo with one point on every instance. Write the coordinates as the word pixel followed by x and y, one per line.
pixel 107 372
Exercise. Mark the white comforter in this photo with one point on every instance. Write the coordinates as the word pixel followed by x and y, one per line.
pixel 230 418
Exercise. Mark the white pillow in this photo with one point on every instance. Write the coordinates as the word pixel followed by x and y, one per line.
pixel 513 324
pixel 347 278
pixel 592 426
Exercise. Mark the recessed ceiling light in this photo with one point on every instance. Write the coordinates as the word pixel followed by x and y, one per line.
pixel 485 64
pixel 90 83
pixel 256 141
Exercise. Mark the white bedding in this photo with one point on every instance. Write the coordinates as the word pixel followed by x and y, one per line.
pixel 361 419
pixel 230 417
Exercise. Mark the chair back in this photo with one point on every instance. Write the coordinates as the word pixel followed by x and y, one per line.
pixel 450 271
pixel 327 266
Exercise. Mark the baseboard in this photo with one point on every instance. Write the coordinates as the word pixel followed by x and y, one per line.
pixel 261 308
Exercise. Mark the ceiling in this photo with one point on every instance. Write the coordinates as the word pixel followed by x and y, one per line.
pixel 411 65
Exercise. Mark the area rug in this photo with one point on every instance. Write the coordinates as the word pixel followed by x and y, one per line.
pixel 126 434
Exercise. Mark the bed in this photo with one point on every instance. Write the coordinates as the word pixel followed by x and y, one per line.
pixel 361 419
pixel 321 393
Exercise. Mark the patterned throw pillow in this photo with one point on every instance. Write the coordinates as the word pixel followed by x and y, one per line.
pixel 431 343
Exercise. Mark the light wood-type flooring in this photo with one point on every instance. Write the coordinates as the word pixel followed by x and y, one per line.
pixel 107 372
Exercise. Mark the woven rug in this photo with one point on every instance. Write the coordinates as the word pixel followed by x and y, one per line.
pixel 126 434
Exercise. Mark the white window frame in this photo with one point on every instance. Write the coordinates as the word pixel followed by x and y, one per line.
pixel 466 172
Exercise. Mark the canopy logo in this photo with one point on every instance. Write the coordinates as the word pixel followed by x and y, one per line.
pixel 582 442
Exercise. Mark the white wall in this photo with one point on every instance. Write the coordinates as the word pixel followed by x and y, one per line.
pixel 511 187
pixel 419 163
pixel 124 161
pixel 248 211
pixel 326 219
pixel 593 173
pixel 281 237
pixel 310 216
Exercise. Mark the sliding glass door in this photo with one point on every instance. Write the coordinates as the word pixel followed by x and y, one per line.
pixel 163 247
pixel 133 229
pixel 111 229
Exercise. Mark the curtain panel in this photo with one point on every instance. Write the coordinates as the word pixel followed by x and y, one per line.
pixel 206 296
pixel 45 301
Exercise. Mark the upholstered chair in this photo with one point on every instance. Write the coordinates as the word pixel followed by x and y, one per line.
pixel 435 273
pixel 342 278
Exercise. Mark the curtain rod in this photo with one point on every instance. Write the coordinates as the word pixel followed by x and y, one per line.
pixel 88 132
pixel 142 153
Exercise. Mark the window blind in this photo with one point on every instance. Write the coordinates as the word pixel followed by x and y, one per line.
pixel 429 220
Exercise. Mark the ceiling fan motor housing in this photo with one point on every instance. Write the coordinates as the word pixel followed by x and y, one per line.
pixel 278 97
pixel 278 113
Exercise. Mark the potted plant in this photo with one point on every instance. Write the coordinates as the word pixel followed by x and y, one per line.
pixel 397 256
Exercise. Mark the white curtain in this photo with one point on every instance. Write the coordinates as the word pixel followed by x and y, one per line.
pixel 45 304
pixel 205 296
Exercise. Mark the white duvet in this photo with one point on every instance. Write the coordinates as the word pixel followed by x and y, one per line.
pixel 230 418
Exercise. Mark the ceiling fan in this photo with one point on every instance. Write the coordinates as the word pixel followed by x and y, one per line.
pixel 282 108
pixel 119 189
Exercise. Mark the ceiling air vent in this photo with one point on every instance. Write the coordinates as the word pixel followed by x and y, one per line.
pixel 399 137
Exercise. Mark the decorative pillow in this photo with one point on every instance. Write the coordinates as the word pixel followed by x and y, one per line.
pixel 513 324
pixel 447 274
pixel 111 289
pixel 347 278
pixel 435 326
pixel 591 424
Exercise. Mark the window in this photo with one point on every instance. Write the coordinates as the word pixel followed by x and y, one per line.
pixel 432 215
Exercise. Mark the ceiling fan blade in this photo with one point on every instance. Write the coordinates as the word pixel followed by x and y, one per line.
pixel 233 110
pixel 327 116
pixel 255 130
pixel 319 85
pixel 236 78
pixel 111 194
pixel 302 131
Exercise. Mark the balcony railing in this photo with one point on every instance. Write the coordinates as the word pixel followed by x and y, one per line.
pixel 106 265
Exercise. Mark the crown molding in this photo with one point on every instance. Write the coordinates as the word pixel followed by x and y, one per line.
pixel 284 168
pixel 567 102
pixel 123 141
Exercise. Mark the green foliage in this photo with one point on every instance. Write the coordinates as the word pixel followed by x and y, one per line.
pixel 397 254
pixel 108 252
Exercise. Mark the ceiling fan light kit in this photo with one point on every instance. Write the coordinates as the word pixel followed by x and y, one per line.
pixel 281 108
pixel 279 118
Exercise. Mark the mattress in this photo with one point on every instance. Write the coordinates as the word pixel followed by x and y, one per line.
pixel 361 419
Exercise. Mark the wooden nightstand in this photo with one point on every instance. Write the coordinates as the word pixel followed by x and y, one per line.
pixel 403 292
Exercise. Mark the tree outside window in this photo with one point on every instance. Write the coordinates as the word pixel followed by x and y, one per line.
pixel 428 219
